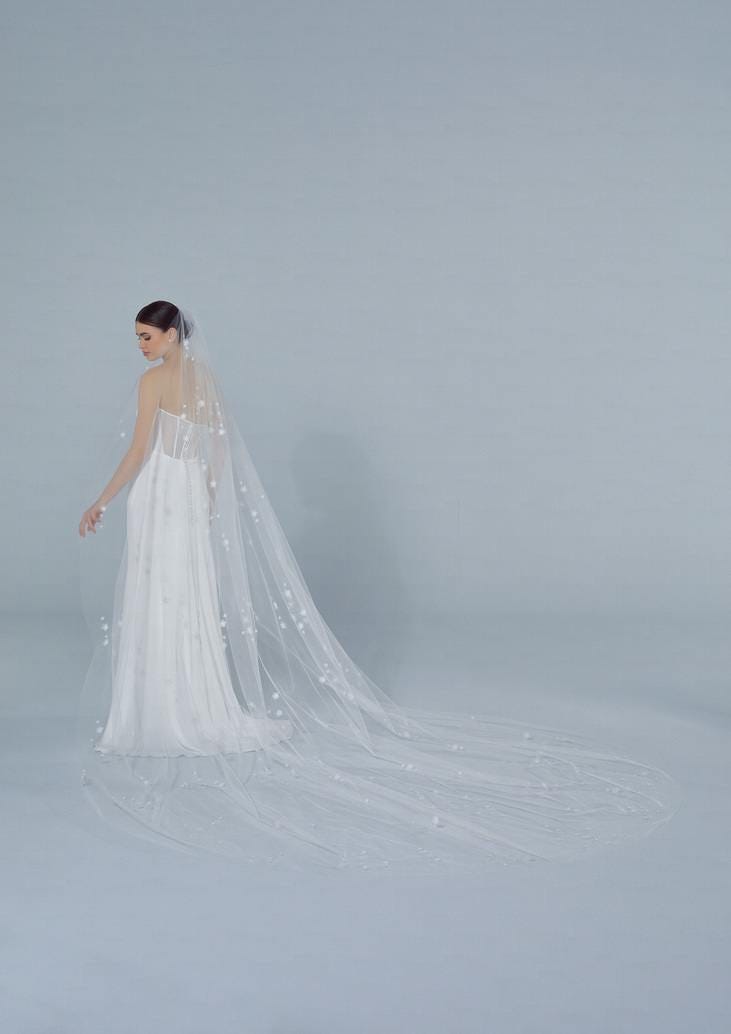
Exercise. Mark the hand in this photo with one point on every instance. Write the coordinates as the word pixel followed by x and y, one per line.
pixel 91 517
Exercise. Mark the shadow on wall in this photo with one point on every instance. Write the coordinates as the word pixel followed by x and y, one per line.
pixel 344 550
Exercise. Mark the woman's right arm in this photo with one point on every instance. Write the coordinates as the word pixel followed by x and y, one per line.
pixel 147 403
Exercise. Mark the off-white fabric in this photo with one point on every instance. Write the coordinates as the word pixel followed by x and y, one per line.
pixel 220 712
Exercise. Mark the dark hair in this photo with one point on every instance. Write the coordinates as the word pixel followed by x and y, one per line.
pixel 164 315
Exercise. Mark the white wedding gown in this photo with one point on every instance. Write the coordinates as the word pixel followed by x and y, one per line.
pixel 237 723
pixel 172 693
pixel 230 719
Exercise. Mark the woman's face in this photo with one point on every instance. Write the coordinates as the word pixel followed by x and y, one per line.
pixel 153 342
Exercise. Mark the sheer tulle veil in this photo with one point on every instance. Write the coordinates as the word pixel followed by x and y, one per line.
pixel 358 780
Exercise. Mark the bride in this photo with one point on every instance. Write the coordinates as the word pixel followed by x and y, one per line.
pixel 220 713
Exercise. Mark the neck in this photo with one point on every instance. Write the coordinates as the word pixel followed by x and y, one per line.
pixel 172 355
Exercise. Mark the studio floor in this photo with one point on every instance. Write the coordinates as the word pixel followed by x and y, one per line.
pixel 103 933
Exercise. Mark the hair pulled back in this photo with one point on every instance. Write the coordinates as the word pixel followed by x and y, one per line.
pixel 164 315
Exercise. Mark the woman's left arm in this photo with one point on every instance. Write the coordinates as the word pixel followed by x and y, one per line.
pixel 147 403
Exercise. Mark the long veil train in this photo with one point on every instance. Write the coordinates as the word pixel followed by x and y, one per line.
pixel 220 713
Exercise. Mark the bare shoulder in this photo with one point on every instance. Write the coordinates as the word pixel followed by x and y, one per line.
pixel 150 384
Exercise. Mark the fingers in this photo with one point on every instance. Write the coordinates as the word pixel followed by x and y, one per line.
pixel 88 522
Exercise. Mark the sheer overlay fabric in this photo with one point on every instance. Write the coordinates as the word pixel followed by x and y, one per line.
pixel 221 714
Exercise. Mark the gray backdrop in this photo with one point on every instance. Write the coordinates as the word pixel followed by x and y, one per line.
pixel 464 268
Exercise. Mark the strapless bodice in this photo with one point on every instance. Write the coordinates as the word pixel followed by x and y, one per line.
pixel 180 437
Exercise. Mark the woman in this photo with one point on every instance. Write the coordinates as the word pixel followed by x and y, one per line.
pixel 235 720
